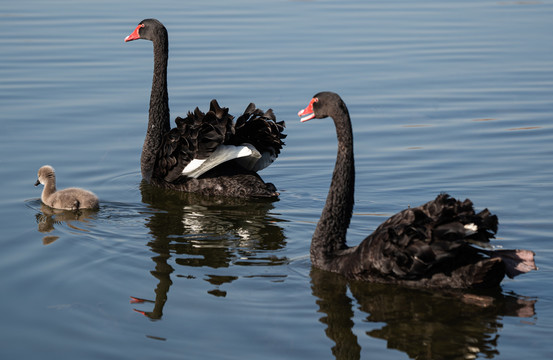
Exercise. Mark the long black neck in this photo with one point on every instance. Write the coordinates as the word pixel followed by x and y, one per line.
pixel 158 118
pixel 330 234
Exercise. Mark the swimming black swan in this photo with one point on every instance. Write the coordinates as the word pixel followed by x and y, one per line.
pixel 206 153
pixel 66 199
pixel 434 245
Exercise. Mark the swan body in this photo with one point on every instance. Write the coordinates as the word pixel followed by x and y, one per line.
pixel 441 244
pixel 66 199
pixel 207 153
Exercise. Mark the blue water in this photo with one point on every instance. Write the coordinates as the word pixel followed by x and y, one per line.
pixel 444 96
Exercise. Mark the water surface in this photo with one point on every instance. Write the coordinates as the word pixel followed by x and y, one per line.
pixel 444 96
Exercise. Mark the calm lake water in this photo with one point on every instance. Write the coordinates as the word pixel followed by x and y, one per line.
pixel 449 96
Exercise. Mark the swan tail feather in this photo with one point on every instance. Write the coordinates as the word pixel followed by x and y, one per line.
pixel 516 261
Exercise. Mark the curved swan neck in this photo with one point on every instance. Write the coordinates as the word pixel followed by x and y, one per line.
pixel 330 234
pixel 158 118
pixel 49 189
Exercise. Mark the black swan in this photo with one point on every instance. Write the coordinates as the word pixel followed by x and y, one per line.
pixel 206 153
pixel 66 199
pixel 441 244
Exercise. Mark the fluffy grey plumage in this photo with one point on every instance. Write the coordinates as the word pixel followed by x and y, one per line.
pixel 66 199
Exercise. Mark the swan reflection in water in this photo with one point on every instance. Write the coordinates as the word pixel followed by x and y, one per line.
pixel 199 231
pixel 49 217
pixel 424 324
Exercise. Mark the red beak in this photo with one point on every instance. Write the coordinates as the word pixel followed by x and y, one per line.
pixel 307 113
pixel 135 35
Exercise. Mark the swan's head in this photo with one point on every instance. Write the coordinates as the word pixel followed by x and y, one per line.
pixel 322 105
pixel 147 29
pixel 45 174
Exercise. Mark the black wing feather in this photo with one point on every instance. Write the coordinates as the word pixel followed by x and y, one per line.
pixel 259 129
pixel 198 134
pixel 419 242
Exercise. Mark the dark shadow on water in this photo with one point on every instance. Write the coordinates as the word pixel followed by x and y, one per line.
pixel 421 323
pixel 48 218
pixel 198 231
